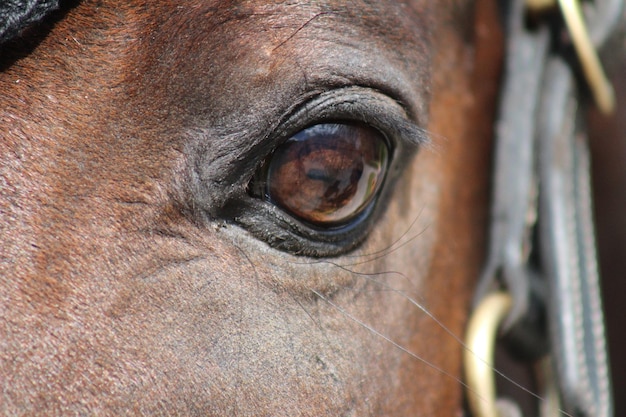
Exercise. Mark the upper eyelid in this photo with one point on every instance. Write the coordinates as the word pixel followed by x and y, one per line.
pixel 219 180
pixel 353 103
pixel 349 104
pixel 362 104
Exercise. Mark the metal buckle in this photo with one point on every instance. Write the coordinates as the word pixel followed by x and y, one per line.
pixel 600 86
pixel 478 361
pixel 480 341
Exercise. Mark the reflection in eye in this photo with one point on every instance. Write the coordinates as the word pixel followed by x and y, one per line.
pixel 327 174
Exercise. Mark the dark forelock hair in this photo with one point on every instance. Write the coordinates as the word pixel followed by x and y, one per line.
pixel 18 15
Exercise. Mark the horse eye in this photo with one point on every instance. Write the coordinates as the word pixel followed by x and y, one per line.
pixel 327 174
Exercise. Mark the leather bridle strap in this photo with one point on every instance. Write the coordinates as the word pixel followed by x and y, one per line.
pixel 542 245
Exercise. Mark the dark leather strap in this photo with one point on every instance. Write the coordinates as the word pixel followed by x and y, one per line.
pixel 514 201
pixel 568 249
pixel 542 246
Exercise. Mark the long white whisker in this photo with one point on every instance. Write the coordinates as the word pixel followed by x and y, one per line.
pixel 388 340
pixel 459 340
pixel 369 276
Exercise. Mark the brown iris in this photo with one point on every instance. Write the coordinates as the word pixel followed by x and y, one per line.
pixel 328 174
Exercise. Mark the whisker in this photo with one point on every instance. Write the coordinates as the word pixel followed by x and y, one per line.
pixel 382 252
pixel 461 342
pixel 439 323
pixel 368 275
pixel 304 25
pixel 373 256
pixel 397 345
pixel 389 248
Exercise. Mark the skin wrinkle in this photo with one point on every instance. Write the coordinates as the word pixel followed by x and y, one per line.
pixel 118 298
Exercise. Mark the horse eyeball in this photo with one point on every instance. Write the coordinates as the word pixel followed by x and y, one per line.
pixel 328 174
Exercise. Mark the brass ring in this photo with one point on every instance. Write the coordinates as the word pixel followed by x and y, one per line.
pixel 600 86
pixel 598 83
pixel 478 356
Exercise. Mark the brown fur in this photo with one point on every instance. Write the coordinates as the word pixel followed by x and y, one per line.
pixel 121 291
